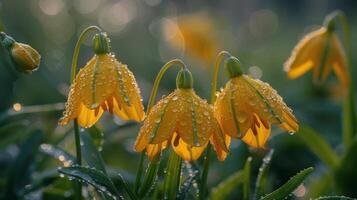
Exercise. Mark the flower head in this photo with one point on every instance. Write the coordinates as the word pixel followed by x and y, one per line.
pixel 25 58
pixel 196 35
pixel 246 108
pixel 183 121
pixel 103 84
pixel 320 51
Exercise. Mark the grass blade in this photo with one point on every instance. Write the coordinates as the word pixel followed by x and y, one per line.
pixel 318 146
pixel 56 152
pixel 286 189
pixel 262 175
pixel 227 186
pixel 349 125
pixel 334 198
pixel 246 182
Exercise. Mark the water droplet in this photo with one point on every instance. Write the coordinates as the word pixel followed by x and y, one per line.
pixel 174 98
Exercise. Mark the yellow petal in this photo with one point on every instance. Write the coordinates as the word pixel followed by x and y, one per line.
pixel 184 150
pixel 306 54
pixel 196 119
pixel 88 117
pixel 338 60
pixel 159 125
pixel 72 105
pixel 221 149
pixel 153 149
pixel 259 138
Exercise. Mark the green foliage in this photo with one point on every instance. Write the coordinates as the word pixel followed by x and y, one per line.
pixel 334 198
pixel 90 152
pixel 93 177
pixel 246 182
pixel 318 145
pixel 222 190
pixel 261 181
pixel 20 170
pixel 286 189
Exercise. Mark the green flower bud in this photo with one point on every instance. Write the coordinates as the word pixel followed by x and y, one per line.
pixel 233 67
pixel 184 79
pixel 101 43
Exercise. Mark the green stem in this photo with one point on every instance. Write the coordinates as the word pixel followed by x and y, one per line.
pixel 86 32
pixel 349 112
pixel 207 156
pixel 175 62
pixel 172 178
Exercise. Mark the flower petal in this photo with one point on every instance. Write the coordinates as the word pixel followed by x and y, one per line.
pixel 88 117
pixel 184 150
pixel 257 136
pixel 221 144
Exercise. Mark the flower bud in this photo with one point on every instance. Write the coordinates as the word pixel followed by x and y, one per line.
pixel 101 43
pixel 25 58
pixel 184 79
pixel 233 67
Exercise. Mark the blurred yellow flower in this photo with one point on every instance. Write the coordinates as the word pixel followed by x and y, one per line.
pixel 103 84
pixel 321 51
pixel 247 107
pixel 184 121
pixel 197 35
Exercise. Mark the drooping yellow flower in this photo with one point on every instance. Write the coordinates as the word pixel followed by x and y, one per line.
pixel 103 84
pixel 183 121
pixel 322 52
pixel 196 35
pixel 246 108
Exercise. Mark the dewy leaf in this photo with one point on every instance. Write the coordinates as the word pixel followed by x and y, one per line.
pixel 262 176
pixel 173 175
pixel 186 186
pixel 227 186
pixel 246 182
pixel 58 153
pixel 318 146
pixel 125 185
pixel 334 198
pixel 97 136
pixel 19 170
pixel 150 176
pixel 90 153
pixel 93 177
pixel 345 175
pixel 289 187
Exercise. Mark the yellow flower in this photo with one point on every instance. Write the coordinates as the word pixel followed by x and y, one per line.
pixel 197 35
pixel 184 121
pixel 320 51
pixel 103 84
pixel 247 107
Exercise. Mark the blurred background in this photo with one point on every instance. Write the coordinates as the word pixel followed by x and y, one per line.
pixel 147 33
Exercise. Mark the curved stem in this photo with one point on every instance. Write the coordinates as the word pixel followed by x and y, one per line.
pixel 217 65
pixel 349 112
pixel 85 33
pixel 207 157
pixel 175 62
pixel 81 39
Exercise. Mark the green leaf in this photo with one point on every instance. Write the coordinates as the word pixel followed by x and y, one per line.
pixel 56 152
pixel 262 175
pixel 90 153
pixel 318 146
pixel 12 132
pixel 150 175
pixel 349 122
pixel 187 185
pixel 334 198
pixel 345 175
pixel 42 180
pixel 93 177
pixel 20 168
pixel 222 190
pixel 97 137
pixel 126 187
pixel 286 189
pixel 173 175
pixel 246 182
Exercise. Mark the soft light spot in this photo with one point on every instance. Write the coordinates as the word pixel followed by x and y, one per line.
pixel 255 72
pixel 17 107
pixel 86 6
pixel 51 7
pixel 300 191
